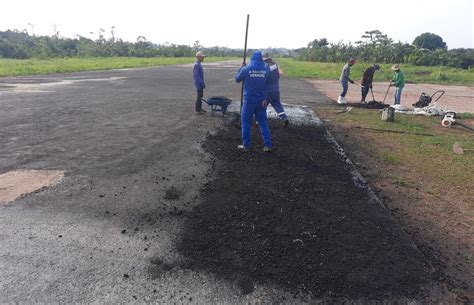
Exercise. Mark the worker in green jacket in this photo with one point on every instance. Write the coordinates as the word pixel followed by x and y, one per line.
pixel 399 82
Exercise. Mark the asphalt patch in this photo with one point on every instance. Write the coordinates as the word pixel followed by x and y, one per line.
pixel 296 219
pixel 172 194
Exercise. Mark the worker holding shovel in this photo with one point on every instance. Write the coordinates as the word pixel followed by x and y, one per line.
pixel 367 80
pixel 255 77
pixel 398 81
pixel 345 79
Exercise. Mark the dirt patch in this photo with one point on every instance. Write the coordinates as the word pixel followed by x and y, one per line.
pixel 296 219
pixel 457 98
pixel 14 184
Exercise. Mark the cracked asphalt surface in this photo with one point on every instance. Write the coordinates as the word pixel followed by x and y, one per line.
pixel 130 145
pixel 124 138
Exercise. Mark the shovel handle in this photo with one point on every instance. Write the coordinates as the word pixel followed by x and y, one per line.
pixel 372 91
pixel 386 93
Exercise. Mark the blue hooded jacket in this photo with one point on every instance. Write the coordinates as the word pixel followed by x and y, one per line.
pixel 255 76
pixel 273 84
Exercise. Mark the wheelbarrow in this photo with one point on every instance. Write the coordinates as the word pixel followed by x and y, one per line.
pixel 426 99
pixel 218 104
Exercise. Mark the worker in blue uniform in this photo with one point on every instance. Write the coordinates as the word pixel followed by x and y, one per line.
pixel 198 75
pixel 254 76
pixel 273 89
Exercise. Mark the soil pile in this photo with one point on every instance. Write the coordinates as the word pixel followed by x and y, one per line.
pixel 370 105
pixel 295 218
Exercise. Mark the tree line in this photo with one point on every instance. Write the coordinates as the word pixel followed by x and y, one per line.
pixel 426 50
pixel 20 45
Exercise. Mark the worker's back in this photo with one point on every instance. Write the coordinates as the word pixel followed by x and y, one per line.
pixel 273 83
pixel 254 76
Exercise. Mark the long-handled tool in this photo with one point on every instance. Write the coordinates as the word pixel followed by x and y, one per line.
pixel 362 86
pixel 372 91
pixel 356 83
pixel 457 149
pixel 386 93
pixel 372 104
pixel 243 63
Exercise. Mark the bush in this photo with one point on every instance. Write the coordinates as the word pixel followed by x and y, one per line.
pixel 428 50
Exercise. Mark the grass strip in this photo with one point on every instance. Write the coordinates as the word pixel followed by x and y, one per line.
pixel 413 74
pixel 16 67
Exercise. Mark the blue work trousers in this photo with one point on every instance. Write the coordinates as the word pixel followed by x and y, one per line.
pixel 249 110
pixel 398 95
pixel 364 90
pixel 345 86
pixel 274 99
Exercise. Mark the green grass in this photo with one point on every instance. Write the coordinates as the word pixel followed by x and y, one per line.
pixel 16 67
pixel 391 158
pixel 401 182
pixel 431 155
pixel 291 67
pixel 415 74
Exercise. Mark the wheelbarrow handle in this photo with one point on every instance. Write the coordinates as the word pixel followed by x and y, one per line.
pixel 442 92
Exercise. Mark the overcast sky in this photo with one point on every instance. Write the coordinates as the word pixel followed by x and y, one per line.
pixel 289 24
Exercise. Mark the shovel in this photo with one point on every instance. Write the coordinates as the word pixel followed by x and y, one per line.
pixel 386 93
pixel 457 149
pixel 372 91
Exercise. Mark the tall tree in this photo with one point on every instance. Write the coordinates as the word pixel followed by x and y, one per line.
pixel 429 41
pixel 318 43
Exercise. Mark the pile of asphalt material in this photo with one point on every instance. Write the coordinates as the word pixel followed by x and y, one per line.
pixel 296 220
pixel 370 105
